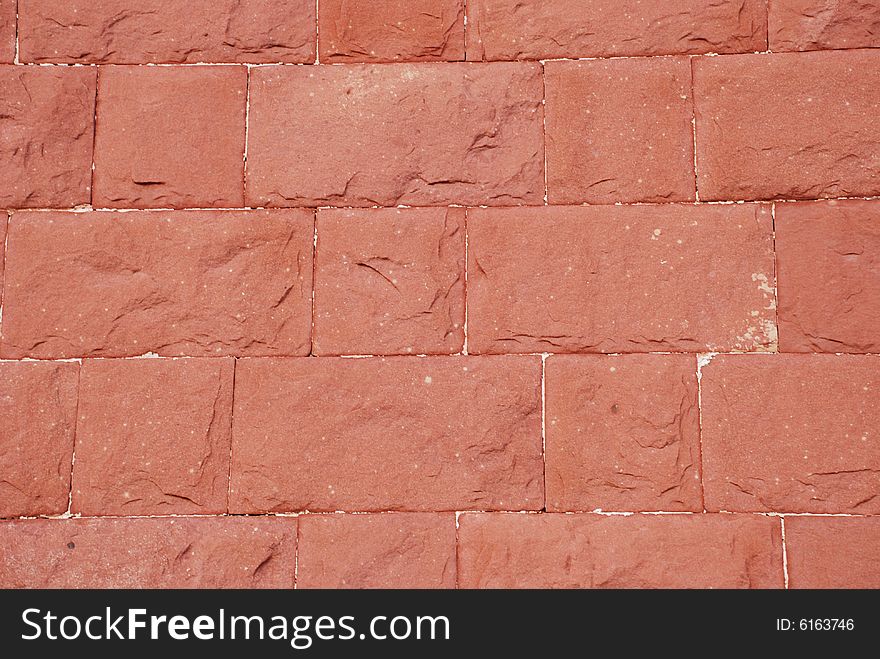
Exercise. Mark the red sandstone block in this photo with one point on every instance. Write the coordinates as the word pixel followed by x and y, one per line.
pixel 7 31
pixel 829 280
pixel 37 424
pixel 833 552
pixel 170 31
pixel 638 551
pixel 620 279
pixel 622 433
pixel 619 131
pixel 4 223
pixel 544 29
pixel 393 550
pixel 153 437
pixel 824 24
pixel 170 282
pixel 789 125
pixel 399 433
pixel 46 143
pixel 791 433
pixel 417 134
pixel 391 30
pixel 170 137
pixel 219 552
pixel 390 281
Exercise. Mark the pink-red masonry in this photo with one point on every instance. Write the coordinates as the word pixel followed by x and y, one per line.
pixel 439 293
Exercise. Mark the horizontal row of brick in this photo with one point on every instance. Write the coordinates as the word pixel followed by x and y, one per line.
pixel 770 433
pixel 260 31
pixel 436 550
pixel 779 126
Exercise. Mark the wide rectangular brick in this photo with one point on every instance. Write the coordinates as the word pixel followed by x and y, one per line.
pixel 788 125
pixel 792 433
pixel 620 279
pixel 833 552
pixel 503 550
pixel 7 31
pixel 391 30
pixel 153 437
pixel 391 550
pixel 389 281
pixel 218 552
pixel 46 143
pixel 170 137
pixel 170 282
pixel 398 433
pixel 544 29
pixel 167 31
pixel 37 427
pixel 823 24
pixel 383 135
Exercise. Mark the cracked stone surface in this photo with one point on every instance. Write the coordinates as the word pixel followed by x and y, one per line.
pixel 7 31
pixel 833 552
pixel 785 433
pixel 170 282
pixel 824 24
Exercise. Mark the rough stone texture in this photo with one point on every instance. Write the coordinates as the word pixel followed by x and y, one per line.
pixel 544 29
pixel 824 24
pixel 169 282
pixel 620 279
pixel 153 437
pixel 167 31
pixel 37 424
pixel 221 552
pixel 619 131
pixel 391 30
pixel 789 125
pixel 415 134
pixel 7 31
pixel 4 223
pixel 833 552
pixel 393 550
pixel 390 281
pixel 170 137
pixel 828 255
pixel 48 118
pixel 639 551
pixel 790 433
pixel 622 433
pixel 402 433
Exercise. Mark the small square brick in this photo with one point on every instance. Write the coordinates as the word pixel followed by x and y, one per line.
pixel 791 433
pixel 170 137
pixel 824 24
pixel 7 31
pixel 219 552
pixel 391 550
pixel 153 437
pixel 391 30
pixel 390 281
pixel 46 143
pixel 622 433
pixel 37 426
pixel 833 552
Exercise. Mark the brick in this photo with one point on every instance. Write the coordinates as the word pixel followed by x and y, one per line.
pixel 828 255
pixel 219 552
pixel 619 131
pixel 390 281
pixel 170 137
pixel 48 127
pixel 415 134
pixel 546 29
pixel 823 24
pixel 392 550
pixel 171 282
pixel 833 552
pixel 788 125
pixel 167 31
pixel 37 425
pixel 153 437
pixel 391 31
pixel 638 551
pixel 620 279
pixel 622 433
pixel 791 433
pixel 7 31
pixel 4 223
pixel 399 433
